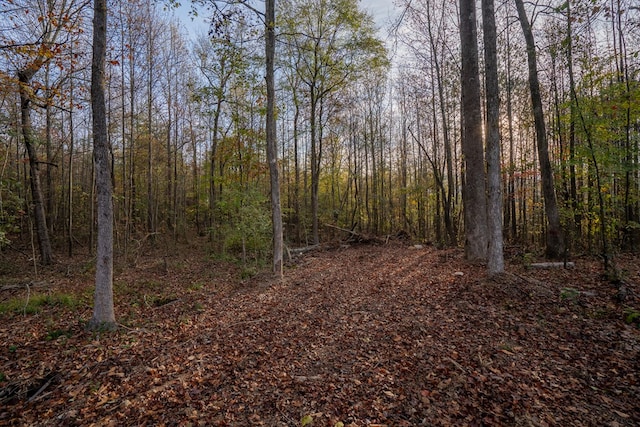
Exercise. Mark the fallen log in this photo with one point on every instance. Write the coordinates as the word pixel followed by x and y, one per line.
pixel 357 237
pixel 290 253
pixel 548 265
pixel 300 251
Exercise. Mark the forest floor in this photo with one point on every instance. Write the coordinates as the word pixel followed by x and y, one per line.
pixel 363 335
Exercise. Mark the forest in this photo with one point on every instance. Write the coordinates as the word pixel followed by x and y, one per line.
pixel 422 166
pixel 369 132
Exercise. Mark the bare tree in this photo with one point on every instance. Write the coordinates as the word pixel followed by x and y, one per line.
pixel 474 189
pixel 44 41
pixel 555 240
pixel 495 261
pixel 103 311
pixel 272 149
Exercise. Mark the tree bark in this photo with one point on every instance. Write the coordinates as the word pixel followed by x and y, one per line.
pixel 103 311
pixel 474 188
pixel 555 239
pixel 44 243
pixel 448 196
pixel 272 150
pixel 495 261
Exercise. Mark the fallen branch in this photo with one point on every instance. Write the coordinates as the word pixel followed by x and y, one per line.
pixel 357 237
pixel 24 285
pixel 43 388
pixel 300 251
pixel 346 230
pixel 547 265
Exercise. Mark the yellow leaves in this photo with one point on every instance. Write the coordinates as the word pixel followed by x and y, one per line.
pixel 306 420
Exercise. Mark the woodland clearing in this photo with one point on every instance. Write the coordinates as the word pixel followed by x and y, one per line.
pixel 362 335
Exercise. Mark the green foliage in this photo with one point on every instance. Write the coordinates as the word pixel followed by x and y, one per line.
pixel 11 210
pixel 36 302
pixel 245 226
pixel 527 259
pixel 57 333
pixel 569 294
pixel 197 286
pixel 632 316
pixel 603 116
pixel 248 272
pixel 307 420
pixel 159 300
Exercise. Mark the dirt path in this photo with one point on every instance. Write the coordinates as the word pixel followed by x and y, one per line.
pixel 368 335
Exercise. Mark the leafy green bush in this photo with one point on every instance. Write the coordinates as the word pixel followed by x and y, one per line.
pixel 245 223
pixel 11 210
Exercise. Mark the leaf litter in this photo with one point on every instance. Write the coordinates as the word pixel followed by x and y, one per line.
pixel 367 335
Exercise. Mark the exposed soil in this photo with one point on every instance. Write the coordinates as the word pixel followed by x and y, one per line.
pixel 371 335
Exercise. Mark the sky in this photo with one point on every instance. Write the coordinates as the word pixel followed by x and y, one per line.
pixel 381 10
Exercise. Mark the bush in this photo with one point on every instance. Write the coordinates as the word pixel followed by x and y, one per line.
pixel 245 224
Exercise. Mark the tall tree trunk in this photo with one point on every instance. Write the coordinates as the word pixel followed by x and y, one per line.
pixel 212 171
pixel 49 192
pixel 447 198
pixel 272 149
pixel 151 218
pixel 296 183
pixel 44 243
pixel 103 312
pixel 70 171
pixel 474 189
pixel 573 184
pixel 511 224
pixel 315 166
pixel 555 241
pixel 495 264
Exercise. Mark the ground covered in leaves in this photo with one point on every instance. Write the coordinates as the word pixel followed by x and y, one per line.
pixel 369 335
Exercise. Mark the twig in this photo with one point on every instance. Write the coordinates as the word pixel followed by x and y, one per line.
pixel 346 230
pixel 159 304
pixel 41 389
pixel 33 249
pixel 459 366
pixel 21 285
pixel 24 309
pixel 246 322
pixel 141 330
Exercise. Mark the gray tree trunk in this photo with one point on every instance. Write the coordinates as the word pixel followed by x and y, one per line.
pixel 272 150
pixel 495 261
pixel 555 239
pixel 474 189
pixel 24 78
pixel 103 312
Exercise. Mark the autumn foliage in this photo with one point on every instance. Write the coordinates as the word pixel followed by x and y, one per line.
pixel 367 335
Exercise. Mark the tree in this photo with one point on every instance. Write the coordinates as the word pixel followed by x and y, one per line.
pixel 268 17
pixel 437 79
pixel 474 190
pixel 24 77
pixel 41 45
pixel 555 240
pixel 218 58
pixel 495 257
pixel 272 149
pixel 334 42
pixel 103 311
